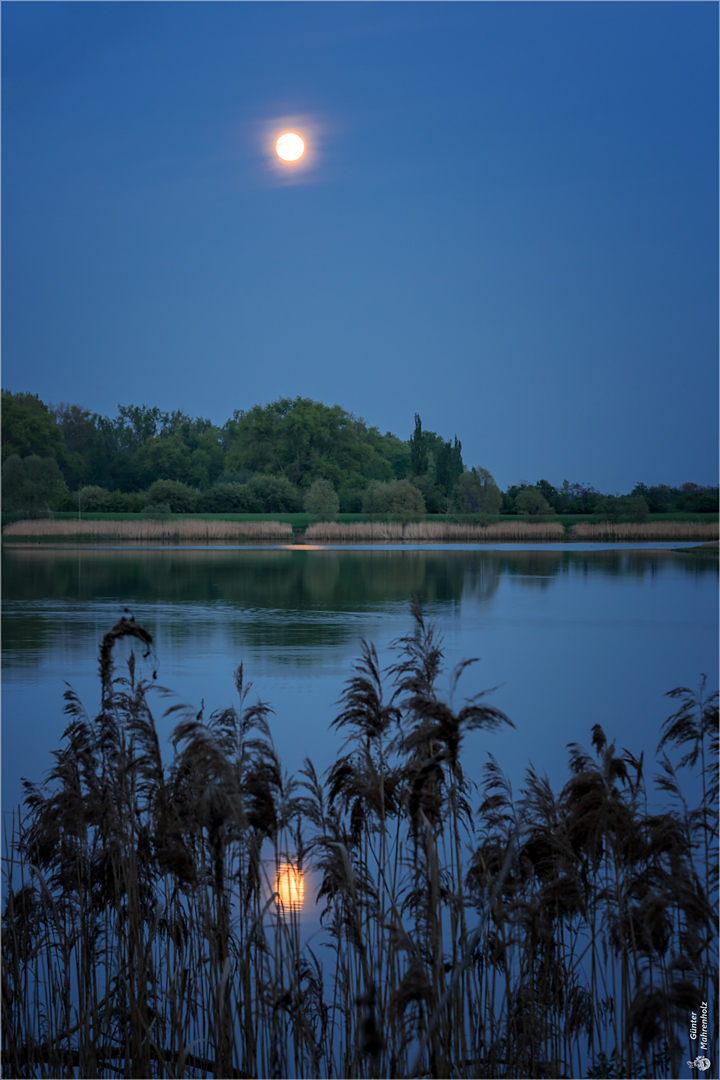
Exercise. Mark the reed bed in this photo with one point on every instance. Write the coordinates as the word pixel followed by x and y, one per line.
pixel 149 529
pixel 541 934
pixel 648 530
pixel 365 531
pixel 414 532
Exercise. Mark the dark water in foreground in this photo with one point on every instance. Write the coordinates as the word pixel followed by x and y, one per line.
pixel 569 637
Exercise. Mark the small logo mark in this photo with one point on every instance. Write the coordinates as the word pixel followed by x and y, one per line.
pixel 701 1063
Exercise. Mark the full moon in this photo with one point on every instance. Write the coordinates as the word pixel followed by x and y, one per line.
pixel 290 147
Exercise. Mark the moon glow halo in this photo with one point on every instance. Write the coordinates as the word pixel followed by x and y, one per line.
pixel 290 147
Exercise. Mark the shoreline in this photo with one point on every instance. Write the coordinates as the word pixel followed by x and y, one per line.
pixel 182 531
pixel 710 550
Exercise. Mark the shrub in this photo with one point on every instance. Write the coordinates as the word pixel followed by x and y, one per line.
pixel 477 493
pixel 179 497
pixel 351 497
pixel 231 498
pixel 434 499
pixel 531 502
pixel 612 507
pixel 93 498
pixel 637 509
pixel 275 494
pixel 322 499
pixel 157 510
pixel 239 476
pixel 124 502
pixel 68 503
pixel 399 498
pixel 704 504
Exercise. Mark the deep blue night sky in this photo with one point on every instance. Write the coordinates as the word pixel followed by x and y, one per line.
pixel 508 224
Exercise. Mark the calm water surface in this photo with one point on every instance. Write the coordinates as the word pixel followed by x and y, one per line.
pixel 569 637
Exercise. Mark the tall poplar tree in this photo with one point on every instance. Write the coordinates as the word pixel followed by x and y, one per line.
pixel 418 449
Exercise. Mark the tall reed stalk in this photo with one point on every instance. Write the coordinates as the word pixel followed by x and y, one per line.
pixel 529 935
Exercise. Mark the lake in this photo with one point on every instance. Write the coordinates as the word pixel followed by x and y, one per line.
pixel 569 636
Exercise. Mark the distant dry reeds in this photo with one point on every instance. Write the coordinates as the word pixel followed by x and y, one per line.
pixel 150 929
pixel 197 529
pixel 150 529
pixel 415 532
pixel 648 530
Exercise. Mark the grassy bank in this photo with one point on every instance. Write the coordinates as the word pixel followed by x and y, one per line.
pixel 710 550
pixel 149 929
pixel 300 521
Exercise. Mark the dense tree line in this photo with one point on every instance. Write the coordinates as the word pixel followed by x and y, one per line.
pixel 290 455
pixel 542 497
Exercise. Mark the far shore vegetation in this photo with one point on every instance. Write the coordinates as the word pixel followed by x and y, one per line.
pixel 178 529
pixel 296 461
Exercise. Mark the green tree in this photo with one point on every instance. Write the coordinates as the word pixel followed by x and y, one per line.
pixel 434 499
pixel 575 499
pixel 124 502
pixel 614 507
pixel 202 440
pixel 448 465
pixel 418 449
pixel 181 498
pixel 14 484
pixel 275 494
pixel 477 493
pixel 550 494
pixel 93 498
pixel 115 464
pixel 29 428
pixel 143 444
pixel 636 508
pixel 350 494
pixel 704 503
pixel 33 484
pixel 163 457
pixel 82 444
pixel 322 499
pixel 231 498
pixel 137 423
pixel 401 465
pixel 532 503
pixel 661 498
pixel 304 440
pixel 399 498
